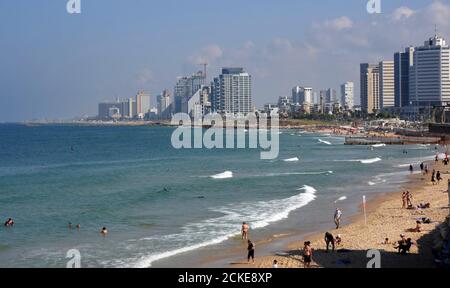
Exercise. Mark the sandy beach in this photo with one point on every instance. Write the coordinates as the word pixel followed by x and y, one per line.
pixel 386 219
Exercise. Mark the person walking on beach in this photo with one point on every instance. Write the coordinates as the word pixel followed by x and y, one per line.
pixel 411 169
pixel 307 255
pixel 422 167
pixel 329 239
pixel 251 251
pixel 244 231
pixel 438 177
pixel 433 177
pixel 337 218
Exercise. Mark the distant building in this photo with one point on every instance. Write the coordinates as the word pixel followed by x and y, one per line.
pixel 126 109
pixel 402 64
pixel 370 92
pixel 164 105
pixel 185 88
pixel 232 92
pixel 347 95
pixel 143 104
pixel 302 95
pixel 386 82
pixel 331 96
pixel 429 78
pixel 284 104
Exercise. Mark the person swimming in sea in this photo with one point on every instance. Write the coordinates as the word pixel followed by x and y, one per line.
pixel 9 222
pixel 104 231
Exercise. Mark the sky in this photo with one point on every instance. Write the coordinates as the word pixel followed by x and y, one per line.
pixel 56 65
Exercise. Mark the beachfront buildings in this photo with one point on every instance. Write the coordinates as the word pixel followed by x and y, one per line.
pixel 185 88
pixel 164 105
pixel 370 88
pixel 402 64
pixel 121 108
pixel 142 104
pixel 302 95
pixel 347 95
pixel 232 92
pixel 386 82
pixel 429 74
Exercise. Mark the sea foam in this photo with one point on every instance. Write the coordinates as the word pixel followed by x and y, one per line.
pixel 224 175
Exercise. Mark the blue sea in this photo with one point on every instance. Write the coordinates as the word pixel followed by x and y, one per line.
pixel 160 203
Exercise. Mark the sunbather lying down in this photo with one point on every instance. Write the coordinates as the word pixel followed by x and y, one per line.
pixel 418 228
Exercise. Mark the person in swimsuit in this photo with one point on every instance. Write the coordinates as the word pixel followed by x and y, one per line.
pixel 337 218
pixel 9 222
pixel 245 228
pixel 307 255
pixel 404 201
pixel 251 251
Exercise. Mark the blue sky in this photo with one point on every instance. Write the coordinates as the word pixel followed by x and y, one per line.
pixel 55 65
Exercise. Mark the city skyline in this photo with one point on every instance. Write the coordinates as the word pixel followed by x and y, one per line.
pixel 64 71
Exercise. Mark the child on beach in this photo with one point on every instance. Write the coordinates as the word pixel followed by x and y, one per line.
pixel 307 255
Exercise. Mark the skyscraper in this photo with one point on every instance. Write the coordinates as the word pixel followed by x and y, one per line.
pixel 429 75
pixel 370 94
pixel 185 88
pixel 331 97
pixel 402 64
pixel 302 95
pixel 232 92
pixel 347 95
pixel 387 89
pixel 164 105
pixel 142 104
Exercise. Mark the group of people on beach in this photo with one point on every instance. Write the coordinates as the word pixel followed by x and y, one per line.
pixel 250 245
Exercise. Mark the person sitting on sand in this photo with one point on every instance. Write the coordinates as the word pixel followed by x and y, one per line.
pixel 244 231
pixel 275 264
pixel 307 254
pixel 424 206
pixel 9 223
pixel 385 242
pixel 104 231
pixel 251 251
pixel 329 239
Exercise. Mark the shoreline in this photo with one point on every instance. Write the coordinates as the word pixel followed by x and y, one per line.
pixel 385 219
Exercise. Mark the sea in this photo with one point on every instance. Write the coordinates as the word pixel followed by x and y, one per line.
pixel 162 204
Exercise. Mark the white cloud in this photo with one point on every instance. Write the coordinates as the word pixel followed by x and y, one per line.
pixel 341 23
pixel 145 76
pixel 208 54
pixel 402 13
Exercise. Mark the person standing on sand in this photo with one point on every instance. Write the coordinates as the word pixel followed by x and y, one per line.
pixel 411 168
pixel 251 251
pixel 337 217
pixel 433 177
pixel 307 255
pixel 438 177
pixel 244 231
pixel 404 200
pixel 409 199
pixel 422 167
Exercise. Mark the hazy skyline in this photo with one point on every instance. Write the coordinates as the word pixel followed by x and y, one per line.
pixel 56 65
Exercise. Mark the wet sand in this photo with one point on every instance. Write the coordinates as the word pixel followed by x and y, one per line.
pixel 386 219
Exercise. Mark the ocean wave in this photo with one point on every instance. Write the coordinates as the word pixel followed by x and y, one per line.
pixel 224 175
pixel 259 214
pixel 362 161
pixel 325 142
pixel 379 145
pixel 295 159
pixel 343 198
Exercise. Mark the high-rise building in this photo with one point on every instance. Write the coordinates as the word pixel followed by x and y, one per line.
pixel 402 64
pixel 185 88
pixel 126 108
pixel 142 104
pixel 232 92
pixel 302 95
pixel 347 95
pixel 164 105
pixel 370 92
pixel 386 82
pixel 331 96
pixel 429 75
